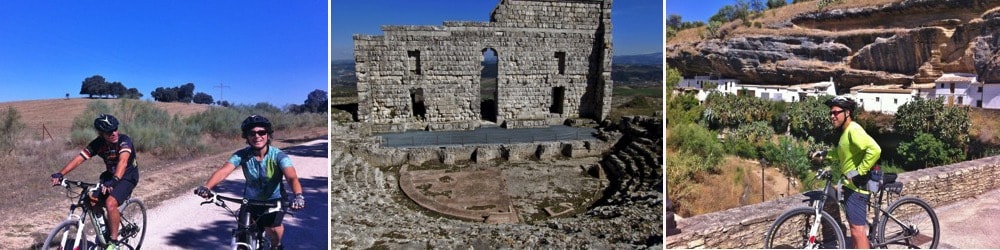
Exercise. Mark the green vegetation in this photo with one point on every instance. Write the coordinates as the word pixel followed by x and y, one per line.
pixel 158 133
pixel 97 85
pixel 10 127
pixel 945 130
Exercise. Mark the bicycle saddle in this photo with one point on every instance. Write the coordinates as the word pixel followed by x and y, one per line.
pixel 895 187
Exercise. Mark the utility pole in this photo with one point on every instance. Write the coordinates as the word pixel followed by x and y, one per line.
pixel 220 87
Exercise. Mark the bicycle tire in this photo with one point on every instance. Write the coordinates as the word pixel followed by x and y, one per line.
pixel 916 214
pixel 67 228
pixel 133 223
pixel 778 234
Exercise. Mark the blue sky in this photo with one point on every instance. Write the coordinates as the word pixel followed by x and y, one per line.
pixel 271 51
pixel 637 24
pixel 699 10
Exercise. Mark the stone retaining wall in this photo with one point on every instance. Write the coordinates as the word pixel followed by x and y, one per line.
pixel 516 152
pixel 744 227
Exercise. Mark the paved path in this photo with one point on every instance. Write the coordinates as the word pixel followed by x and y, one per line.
pixel 485 135
pixel 180 223
pixel 971 223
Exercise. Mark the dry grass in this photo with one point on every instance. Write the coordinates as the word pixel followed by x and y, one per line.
pixel 985 126
pixel 56 115
pixel 737 178
pixel 775 16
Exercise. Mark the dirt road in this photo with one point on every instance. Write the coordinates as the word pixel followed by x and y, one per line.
pixel 180 223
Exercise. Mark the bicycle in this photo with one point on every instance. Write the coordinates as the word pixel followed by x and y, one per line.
pixel 71 233
pixel 901 224
pixel 247 235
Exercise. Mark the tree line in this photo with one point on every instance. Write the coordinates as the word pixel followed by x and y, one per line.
pixel 97 85
pixel 316 101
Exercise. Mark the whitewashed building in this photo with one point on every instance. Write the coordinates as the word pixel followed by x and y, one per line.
pixel 703 85
pixel 884 99
pixel 958 89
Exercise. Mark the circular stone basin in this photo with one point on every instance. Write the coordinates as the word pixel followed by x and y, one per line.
pixel 535 191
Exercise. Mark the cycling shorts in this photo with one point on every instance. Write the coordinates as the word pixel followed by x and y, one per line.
pixel 856 207
pixel 264 219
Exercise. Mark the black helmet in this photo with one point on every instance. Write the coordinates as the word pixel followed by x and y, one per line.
pixel 106 123
pixel 842 102
pixel 255 121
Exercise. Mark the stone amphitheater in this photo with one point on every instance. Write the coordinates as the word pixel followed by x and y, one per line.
pixel 369 210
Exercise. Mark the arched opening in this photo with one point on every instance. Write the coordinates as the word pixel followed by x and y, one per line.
pixel 417 106
pixel 488 85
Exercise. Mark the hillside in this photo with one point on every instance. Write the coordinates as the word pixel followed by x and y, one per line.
pixel 57 114
pixel 855 42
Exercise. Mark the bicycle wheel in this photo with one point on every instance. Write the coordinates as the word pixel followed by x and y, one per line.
pixel 133 228
pixel 791 230
pixel 64 236
pixel 909 223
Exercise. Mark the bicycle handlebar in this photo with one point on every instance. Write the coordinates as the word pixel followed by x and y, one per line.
pixel 219 200
pixel 82 184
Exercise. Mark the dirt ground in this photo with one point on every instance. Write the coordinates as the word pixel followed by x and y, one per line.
pixel 31 207
pixel 723 192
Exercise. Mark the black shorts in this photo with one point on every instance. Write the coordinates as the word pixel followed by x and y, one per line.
pixel 263 218
pixel 123 190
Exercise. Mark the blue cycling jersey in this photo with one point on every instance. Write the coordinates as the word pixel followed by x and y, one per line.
pixel 263 177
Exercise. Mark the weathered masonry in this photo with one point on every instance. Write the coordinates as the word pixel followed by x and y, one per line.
pixel 553 63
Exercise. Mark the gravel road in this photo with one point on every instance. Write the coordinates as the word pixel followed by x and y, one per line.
pixel 181 223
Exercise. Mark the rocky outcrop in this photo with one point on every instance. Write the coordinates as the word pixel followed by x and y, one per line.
pixel 987 48
pixel 901 43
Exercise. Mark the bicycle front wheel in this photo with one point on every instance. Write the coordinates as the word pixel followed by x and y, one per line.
pixel 65 236
pixel 133 228
pixel 909 223
pixel 792 228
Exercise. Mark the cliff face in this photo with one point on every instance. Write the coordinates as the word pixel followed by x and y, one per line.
pixel 912 41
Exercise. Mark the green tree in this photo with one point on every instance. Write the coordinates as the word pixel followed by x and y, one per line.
pixel 93 85
pixel 774 4
pixel 810 118
pixel 731 111
pixel 673 77
pixel 202 98
pixel 948 124
pixel 926 151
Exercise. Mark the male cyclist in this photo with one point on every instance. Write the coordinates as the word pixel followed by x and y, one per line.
pixel 855 153
pixel 263 167
pixel 121 175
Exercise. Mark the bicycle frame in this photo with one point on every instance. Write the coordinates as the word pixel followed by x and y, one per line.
pixel 83 203
pixel 246 226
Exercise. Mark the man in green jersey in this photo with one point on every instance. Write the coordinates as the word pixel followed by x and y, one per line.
pixel 855 153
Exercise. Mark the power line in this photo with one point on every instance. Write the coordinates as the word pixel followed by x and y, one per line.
pixel 221 87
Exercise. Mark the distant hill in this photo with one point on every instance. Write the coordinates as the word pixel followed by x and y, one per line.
pixel 643 59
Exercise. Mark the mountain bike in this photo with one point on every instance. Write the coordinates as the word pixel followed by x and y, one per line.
pixel 72 233
pixel 904 223
pixel 247 234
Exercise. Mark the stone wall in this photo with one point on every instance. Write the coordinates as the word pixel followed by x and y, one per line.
pixel 744 227
pixel 553 62
pixel 516 152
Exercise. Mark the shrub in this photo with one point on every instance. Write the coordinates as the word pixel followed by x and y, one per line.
pixel 810 118
pixel 926 150
pixel 747 140
pixel 10 128
pixel 791 157
pixel 693 139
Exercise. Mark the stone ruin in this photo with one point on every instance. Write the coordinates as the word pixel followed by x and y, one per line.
pixel 553 64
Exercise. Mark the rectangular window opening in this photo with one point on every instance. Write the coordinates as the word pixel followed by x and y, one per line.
pixel 561 56
pixel 413 61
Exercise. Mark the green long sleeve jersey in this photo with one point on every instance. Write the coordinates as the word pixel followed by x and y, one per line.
pixel 856 154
